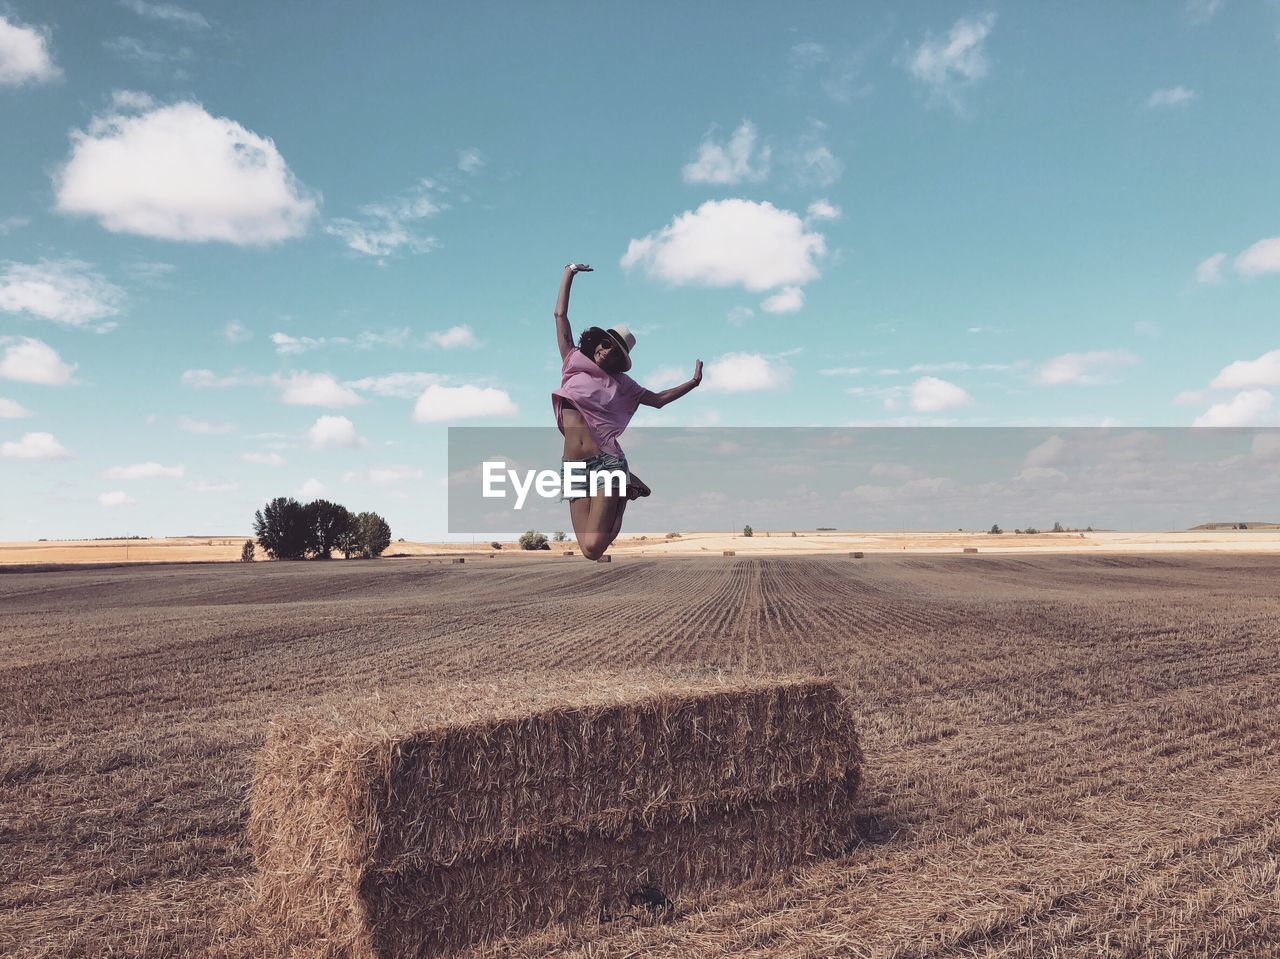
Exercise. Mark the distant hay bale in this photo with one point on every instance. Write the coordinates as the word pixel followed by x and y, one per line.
pixel 971 549
pixel 472 813
pixel 605 559
pixel 856 555
pixel 730 552
pixel 459 559
pixel 568 552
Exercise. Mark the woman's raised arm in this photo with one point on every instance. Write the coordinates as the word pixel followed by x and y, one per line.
pixel 564 335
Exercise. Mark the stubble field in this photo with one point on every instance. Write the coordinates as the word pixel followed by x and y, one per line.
pixel 1065 755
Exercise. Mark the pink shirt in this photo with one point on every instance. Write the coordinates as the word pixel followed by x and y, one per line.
pixel 607 401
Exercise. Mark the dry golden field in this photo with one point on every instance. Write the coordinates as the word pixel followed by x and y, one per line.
pixel 1065 755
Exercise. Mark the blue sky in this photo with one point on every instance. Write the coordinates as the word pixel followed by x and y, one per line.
pixel 249 250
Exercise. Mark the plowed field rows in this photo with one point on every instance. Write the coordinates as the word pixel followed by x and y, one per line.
pixel 1066 756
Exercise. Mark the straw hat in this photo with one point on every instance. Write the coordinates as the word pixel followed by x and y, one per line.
pixel 624 338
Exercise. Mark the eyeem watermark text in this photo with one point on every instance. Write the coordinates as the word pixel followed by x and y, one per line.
pixel 574 481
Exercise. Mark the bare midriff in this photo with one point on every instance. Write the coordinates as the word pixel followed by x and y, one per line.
pixel 579 444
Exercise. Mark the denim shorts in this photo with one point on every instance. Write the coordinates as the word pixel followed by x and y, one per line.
pixel 601 461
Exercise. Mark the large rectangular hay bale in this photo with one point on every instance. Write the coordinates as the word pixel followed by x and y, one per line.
pixel 412 832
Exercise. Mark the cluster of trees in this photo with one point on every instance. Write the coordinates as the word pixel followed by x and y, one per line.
pixel 287 529
pixel 1057 528
pixel 532 539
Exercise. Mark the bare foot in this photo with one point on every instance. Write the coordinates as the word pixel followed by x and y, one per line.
pixel 636 488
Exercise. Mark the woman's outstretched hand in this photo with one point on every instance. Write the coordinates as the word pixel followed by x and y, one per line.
pixel 697 372
pixel 578 268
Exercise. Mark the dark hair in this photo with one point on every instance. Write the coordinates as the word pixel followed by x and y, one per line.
pixel 591 338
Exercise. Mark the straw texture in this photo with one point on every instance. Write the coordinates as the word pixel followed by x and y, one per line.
pixel 410 831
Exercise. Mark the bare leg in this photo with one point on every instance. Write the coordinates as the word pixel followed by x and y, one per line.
pixel 596 522
pixel 617 521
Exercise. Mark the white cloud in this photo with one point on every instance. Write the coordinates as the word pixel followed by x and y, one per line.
pixel 316 389
pixel 311 489
pixel 35 446
pixel 790 299
pixel 1209 270
pixel 1048 453
pixel 236 333
pixel 931 395
pixel 665 376
pixel 742 373
pixel 811 162
pixel 1170 97
pixel 206 486
pixel 1190 397
pixel 822 210
pixel 12 410
pixel 1242 374
pixel 179 173
pixel 1262 257
pixel 134 100
pixel 263 459
pixel 285 344
pixel 333 432
pixel 729 243
pixel 400 385
pixel 32 361
pixel 10 223
pixel 1083 368
pixel 151 271
pixel 189 425
pixel 1034 474
pixel 947 66
pixel 739 315
pixel 386 475
pixel 453 337
pixel 732 162
pixel 386 227
pixel 470 161
pixel 168 13
pixel 366 340
pixel 129 48
pixel 209 380
pixel 839 72
pixel 25 55
pixel 115 498
pixel 1202 11
pixel 64 291
pixel 898 471
pixel 842 371
pixel 144 471
pixel 439 404
pixel 1248 408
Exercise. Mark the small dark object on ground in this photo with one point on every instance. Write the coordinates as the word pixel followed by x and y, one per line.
pixel 460 560
pixel 856 555
pixel 651 897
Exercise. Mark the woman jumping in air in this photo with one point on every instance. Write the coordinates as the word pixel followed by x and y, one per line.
pixel 594 404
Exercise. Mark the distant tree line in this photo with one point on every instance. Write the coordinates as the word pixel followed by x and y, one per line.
pixel 287 529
